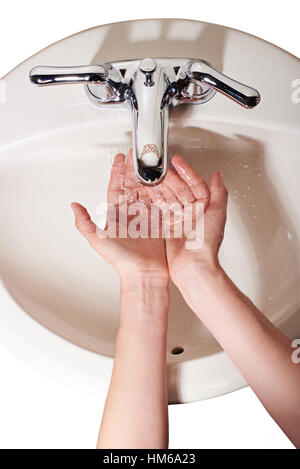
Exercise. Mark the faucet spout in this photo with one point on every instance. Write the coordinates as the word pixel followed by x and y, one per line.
pixel 150 87
pixel 150 122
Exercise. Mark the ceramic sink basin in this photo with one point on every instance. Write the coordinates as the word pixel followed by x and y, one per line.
pixel 59 299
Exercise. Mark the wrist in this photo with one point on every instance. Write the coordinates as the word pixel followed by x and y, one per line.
pixel 197 268
pixel 142 279
pixel 197 284
pixel 144 304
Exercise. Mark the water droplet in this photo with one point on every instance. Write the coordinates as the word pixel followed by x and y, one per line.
pixel 246 166
pixel 258 175
pixel 289 236
pixel 270 298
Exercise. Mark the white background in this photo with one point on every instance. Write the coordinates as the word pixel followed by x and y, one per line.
pixel 37 412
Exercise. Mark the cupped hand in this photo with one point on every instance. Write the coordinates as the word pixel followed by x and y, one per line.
pixel 184 186
pixel 129 256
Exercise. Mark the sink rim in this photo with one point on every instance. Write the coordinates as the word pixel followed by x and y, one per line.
pixel 190 20
pixel 60 365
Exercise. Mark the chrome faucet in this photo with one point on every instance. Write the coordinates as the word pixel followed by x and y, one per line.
pixel 149 86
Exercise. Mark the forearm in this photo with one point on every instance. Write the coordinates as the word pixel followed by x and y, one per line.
pixel 260 351
pixel 136 409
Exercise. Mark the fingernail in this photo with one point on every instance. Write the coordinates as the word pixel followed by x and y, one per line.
pixel 74 207
pixel 176 154
pixel 220 174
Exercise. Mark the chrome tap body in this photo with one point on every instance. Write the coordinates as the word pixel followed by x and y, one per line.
pixel 149 87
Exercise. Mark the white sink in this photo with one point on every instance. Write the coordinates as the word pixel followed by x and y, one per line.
pixel 59 299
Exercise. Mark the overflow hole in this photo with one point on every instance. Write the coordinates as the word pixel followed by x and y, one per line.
pixel 177 350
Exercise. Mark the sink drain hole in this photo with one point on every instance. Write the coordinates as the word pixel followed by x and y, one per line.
pixel 177 350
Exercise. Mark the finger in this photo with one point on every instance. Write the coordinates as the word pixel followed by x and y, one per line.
pixel 219 194
pixel 162 195
pixel 143 196
pixel 195 182
pixel 115 190
pixel 129 174
pixel 155 194
pixel 83 222
pixel 169 195
pixel 130 182
pixel 157 197
pixel 179 187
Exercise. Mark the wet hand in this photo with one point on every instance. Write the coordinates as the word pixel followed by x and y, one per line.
pixel 129 256
pixel 184 186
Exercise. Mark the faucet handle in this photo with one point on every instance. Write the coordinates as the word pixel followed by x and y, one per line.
pixel 104 82
pixel 201 71
pixel 43 75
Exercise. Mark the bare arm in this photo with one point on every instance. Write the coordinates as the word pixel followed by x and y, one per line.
pixel 136 409
pixel 260 351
